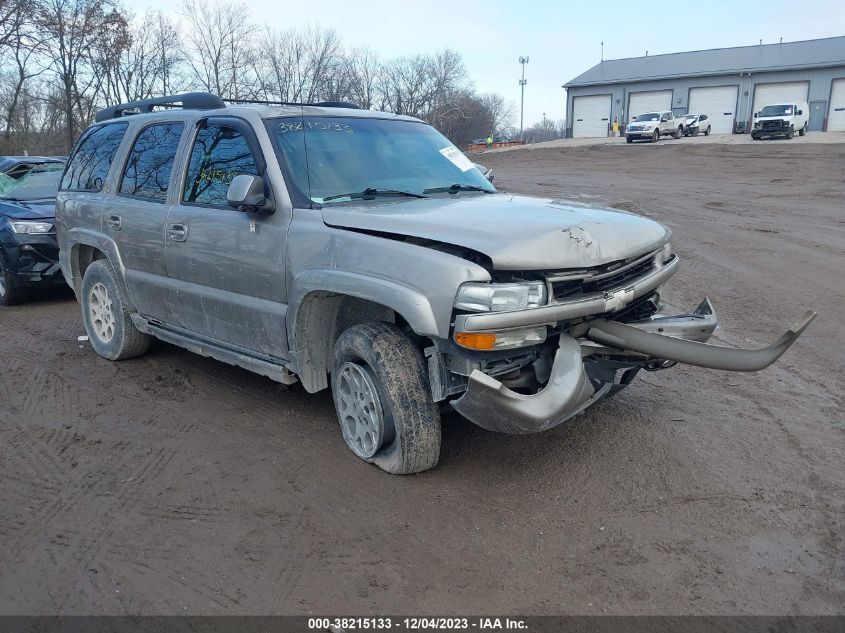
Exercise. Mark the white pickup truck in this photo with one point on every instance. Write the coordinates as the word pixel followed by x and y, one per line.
pixel 652 125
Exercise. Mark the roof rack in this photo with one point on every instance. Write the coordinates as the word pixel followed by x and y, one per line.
pixel 321 104
pixel 187 101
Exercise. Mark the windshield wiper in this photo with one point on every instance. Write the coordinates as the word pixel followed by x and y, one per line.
pixel 372 192
pixel 455 189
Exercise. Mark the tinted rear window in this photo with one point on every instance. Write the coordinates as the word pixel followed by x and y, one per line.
pixel 147 172
pixel 90 162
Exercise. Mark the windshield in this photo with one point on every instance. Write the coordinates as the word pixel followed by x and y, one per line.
pixel 649 116
pixel 776 110
pixel 42 181
pixel 349 155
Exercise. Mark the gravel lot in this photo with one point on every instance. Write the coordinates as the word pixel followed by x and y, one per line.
pixel 174 484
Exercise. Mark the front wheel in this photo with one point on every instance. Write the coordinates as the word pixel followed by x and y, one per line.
pixel 655 136
pixel 106 315
pixel 9 294
pixel 629 139
pixel 383 399
pixel 790 132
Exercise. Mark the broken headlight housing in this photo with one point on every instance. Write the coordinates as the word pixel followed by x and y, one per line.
pixel 482 297
pixel 664 254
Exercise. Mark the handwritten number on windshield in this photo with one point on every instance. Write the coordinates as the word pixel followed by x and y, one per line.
pixel 299 126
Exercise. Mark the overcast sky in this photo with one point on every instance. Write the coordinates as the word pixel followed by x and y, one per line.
pixel 561 38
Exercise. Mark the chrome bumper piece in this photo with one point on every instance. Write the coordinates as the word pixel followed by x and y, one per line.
pixel 493 406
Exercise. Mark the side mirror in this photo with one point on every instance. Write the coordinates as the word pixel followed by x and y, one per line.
pixel 756 115
pixel 800 112
pixel 246 193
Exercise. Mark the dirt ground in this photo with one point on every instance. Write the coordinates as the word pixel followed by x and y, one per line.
pixel 174 484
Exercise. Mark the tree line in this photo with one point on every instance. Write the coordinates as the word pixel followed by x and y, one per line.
pixel 62 60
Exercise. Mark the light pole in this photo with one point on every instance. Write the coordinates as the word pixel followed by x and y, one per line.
pixel 522 82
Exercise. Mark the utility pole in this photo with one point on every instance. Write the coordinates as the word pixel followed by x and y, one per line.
pixel 522 82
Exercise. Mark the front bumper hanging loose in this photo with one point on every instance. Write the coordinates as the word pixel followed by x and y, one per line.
pixel 493 406
pixel 632 338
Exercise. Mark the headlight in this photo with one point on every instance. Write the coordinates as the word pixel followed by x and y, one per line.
pixel 477 297
pixel 664 254
pixel 32 228
pixel 648 126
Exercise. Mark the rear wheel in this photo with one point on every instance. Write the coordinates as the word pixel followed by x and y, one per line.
pixel 9 294
pixel 383 399
pixel 679 132
pixel 803 130
pixel 707 131
pixel 106 316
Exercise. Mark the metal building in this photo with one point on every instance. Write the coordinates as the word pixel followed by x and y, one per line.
pixel 727 84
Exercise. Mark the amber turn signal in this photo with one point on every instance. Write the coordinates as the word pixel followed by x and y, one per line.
pixel 476 340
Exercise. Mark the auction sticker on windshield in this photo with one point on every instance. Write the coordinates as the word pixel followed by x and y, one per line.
pixel 457 158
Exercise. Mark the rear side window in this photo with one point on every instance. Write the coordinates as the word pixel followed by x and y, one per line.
pixel 147 172
pixel 219 154
pixel 89 165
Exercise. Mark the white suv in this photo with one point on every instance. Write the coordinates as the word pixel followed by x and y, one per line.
pixel 781 119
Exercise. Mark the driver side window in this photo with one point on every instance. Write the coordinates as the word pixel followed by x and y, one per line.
pixel 219 154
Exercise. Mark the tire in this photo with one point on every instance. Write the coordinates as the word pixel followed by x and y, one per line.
pixel 803 130
pixel 790 133
pixel 10 295
pixel 655 136
pixel 707 131
pixel 384 358
pixel 679 132
pixel 629 139
pixel 104 311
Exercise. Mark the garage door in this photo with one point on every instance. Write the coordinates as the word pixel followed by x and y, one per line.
pixel 719 104
pixel 769 94
pixel 592 115
pixel 836 118
pixel 642 102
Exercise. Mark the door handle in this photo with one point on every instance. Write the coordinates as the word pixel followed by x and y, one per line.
pixel 114 222
pixel 177 232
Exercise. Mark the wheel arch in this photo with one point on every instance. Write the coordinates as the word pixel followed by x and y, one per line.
pixel 88 248
pixel 326 303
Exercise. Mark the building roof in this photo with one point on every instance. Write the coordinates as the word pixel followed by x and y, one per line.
pixel 718 61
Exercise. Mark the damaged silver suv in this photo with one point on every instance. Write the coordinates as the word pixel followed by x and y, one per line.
pixel 335 246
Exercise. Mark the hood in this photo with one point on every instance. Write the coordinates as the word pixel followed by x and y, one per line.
pixel 31 210
pixel 515 232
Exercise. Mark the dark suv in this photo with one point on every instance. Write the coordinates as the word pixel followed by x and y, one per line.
pixel 29 253
pixel 362 250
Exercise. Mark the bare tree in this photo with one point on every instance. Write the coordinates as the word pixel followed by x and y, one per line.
pixel 13 15
pixel 219 50
pixel 301 66
pixel 138 59
pixel 363 69
pixel 72 29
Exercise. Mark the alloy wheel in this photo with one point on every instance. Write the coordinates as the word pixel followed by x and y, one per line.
pixel 101 312
pixel 359 409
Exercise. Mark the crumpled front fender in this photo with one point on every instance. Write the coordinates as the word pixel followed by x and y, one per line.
pixel 491 405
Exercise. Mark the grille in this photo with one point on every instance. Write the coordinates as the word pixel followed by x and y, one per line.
pixel 568 289
pixel 773 125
